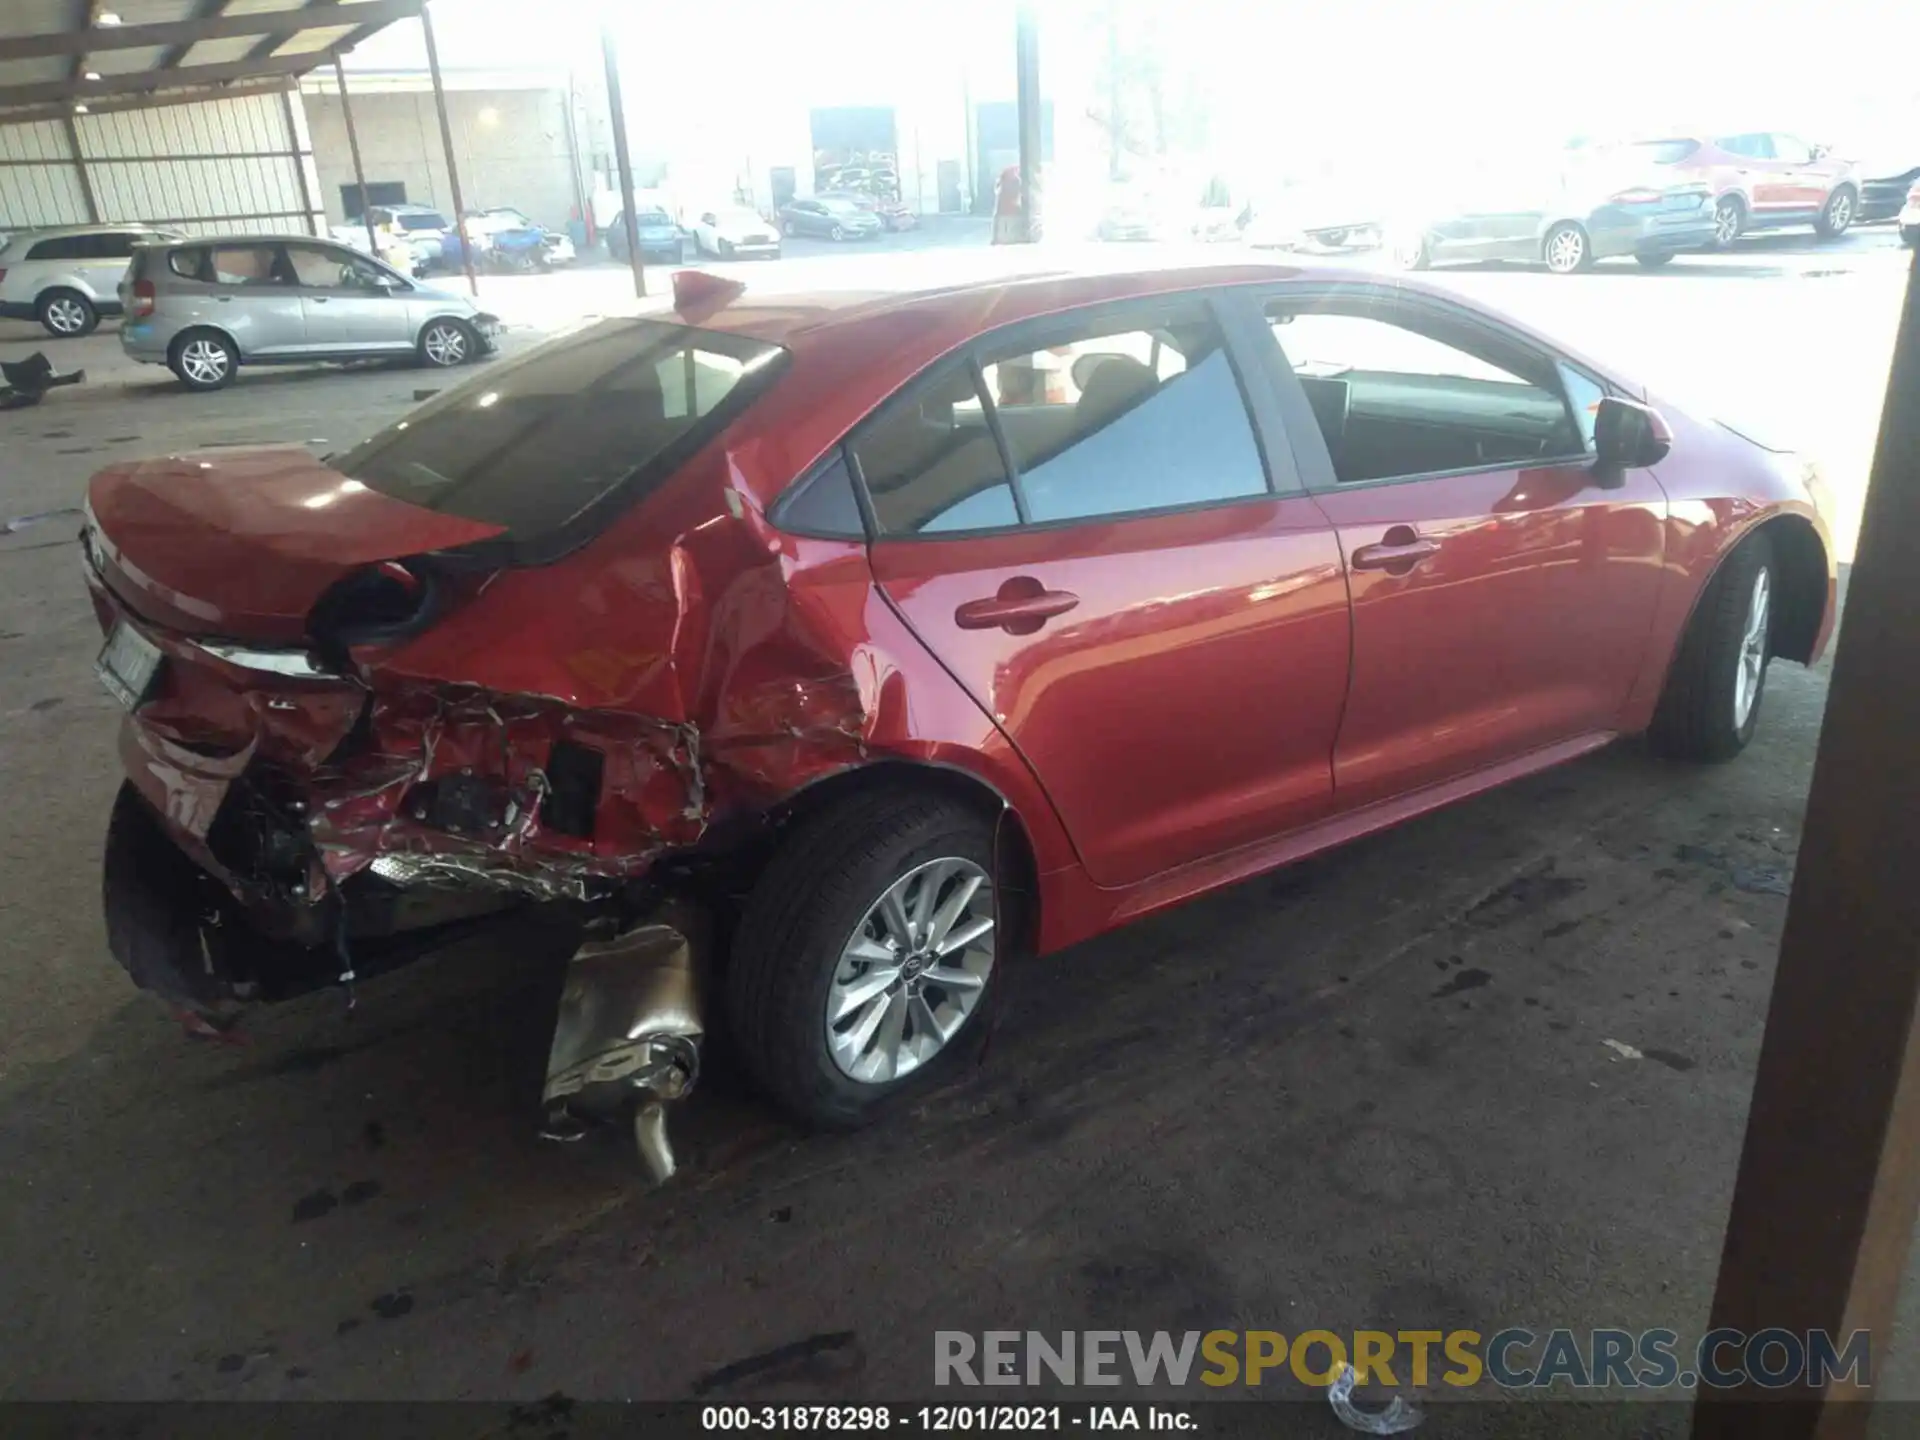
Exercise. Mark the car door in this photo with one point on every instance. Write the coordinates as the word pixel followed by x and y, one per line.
pixel 1804 180
pixel 1768 183
pixel 1501 597
pixel 348 305
pixel 1077 521
pixel 251 295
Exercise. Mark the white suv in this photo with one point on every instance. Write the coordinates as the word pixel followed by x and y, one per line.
pixel 68 278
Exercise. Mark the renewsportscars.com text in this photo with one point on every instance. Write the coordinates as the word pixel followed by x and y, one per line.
pixel 1513 1359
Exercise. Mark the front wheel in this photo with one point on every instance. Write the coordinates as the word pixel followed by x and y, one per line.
pixel 1411 251
pixel 1567 250
pixel 203 360
pixel 1654 259
pixel 865 961
pixel 446 343
pixel 837 233
pixel 1836 216
pixel 790 229
pixel 1711 703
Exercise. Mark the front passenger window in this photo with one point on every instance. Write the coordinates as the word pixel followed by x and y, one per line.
pixel 1395 402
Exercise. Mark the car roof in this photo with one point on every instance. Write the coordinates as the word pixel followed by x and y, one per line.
pixel 52 232
pixel 249 238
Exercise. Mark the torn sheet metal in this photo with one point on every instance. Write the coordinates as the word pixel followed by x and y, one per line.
pixel 629 1030
pixel 1396 1419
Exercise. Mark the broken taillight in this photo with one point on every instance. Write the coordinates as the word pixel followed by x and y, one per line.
pixel 381 602
pixel 144 296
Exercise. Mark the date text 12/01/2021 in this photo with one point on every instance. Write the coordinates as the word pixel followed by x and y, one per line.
pixel 939 1419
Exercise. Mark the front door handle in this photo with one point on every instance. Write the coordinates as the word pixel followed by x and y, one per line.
pixel 1022 607
pixel 1399 550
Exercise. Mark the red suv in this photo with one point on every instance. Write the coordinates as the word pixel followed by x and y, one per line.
pixel 1765 180
pixel 914 632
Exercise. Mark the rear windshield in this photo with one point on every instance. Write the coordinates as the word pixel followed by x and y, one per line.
pixel 1665 152
pixel 536 443
pixel 652 217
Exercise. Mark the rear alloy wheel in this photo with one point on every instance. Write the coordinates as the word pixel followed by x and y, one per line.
pixel 1729 219
pixel 837 233
pixel 866 957
pixel 203 360
pixel 1566 250
pixel 1837 215
pixel 67 314
pixel 1711 703
pixel 446 343
pixel 790 229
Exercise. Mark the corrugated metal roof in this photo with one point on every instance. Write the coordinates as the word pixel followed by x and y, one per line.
pixel 61 57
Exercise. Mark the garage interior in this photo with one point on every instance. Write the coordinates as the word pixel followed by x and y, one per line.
pixel 1554 1056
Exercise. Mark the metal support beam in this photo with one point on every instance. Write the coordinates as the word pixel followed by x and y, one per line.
pixel 1829 1184
pixel 623 159
pixel 316 217
pixel 80 169
pixel 177 50
pixel 211 24
pixel 446 141
pixel 301 19
pixel 353 145
pixel 136 81
pixel 152 102
pixel 1026 89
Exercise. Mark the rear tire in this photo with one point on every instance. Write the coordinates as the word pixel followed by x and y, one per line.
pixel 1654 259
pixel 67 314
pixel 792 955
pixel 204 360
pixel 1711 703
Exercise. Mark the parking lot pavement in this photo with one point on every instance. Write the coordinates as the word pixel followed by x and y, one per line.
pixel 1373 1089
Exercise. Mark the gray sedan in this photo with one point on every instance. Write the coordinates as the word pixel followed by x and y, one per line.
pixel 205 307
pixel 1586 211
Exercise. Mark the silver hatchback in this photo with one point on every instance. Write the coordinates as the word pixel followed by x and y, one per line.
pixel 206 306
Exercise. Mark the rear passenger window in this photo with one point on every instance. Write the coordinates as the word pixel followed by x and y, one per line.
pixel 1114 419
pixel 244 265
pixel 116 245
pixel 930 462
pixel 64 247
pixel 1125 419
pixel 187 264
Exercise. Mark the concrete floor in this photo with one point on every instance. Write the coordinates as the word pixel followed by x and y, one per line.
pixel 1373 1090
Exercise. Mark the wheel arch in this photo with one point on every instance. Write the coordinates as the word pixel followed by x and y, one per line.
pixel 1019 863
pixel 428 319
pixel 202 327
pixel 1801 566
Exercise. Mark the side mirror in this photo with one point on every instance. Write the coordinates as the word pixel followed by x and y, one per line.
pixel 1626 436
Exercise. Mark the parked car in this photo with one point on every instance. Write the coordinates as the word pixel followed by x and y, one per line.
pixel 1132 218
pixel 68 278
pixel 524 243
pixel 1763 180
pixel 1564 214
pixel 736 233
pixel 1910 216
pixel 660 236
pixel 207 306
pixel 1883 188
pixel 819 602
pixel 832 217
pixel 892 214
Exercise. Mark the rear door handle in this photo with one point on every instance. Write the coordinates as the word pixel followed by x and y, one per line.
pixel 1019 609
pixel 1398 551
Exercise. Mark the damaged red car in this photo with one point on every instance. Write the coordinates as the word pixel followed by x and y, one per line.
pixel 925 629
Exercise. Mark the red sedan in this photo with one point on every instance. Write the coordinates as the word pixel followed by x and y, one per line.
pixel 923 630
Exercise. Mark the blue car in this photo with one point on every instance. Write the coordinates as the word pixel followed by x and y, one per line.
pixel 660 238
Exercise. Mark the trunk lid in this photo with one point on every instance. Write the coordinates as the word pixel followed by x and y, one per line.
pixel 242 543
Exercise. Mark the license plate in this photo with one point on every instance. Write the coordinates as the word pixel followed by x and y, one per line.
pixel 127 665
